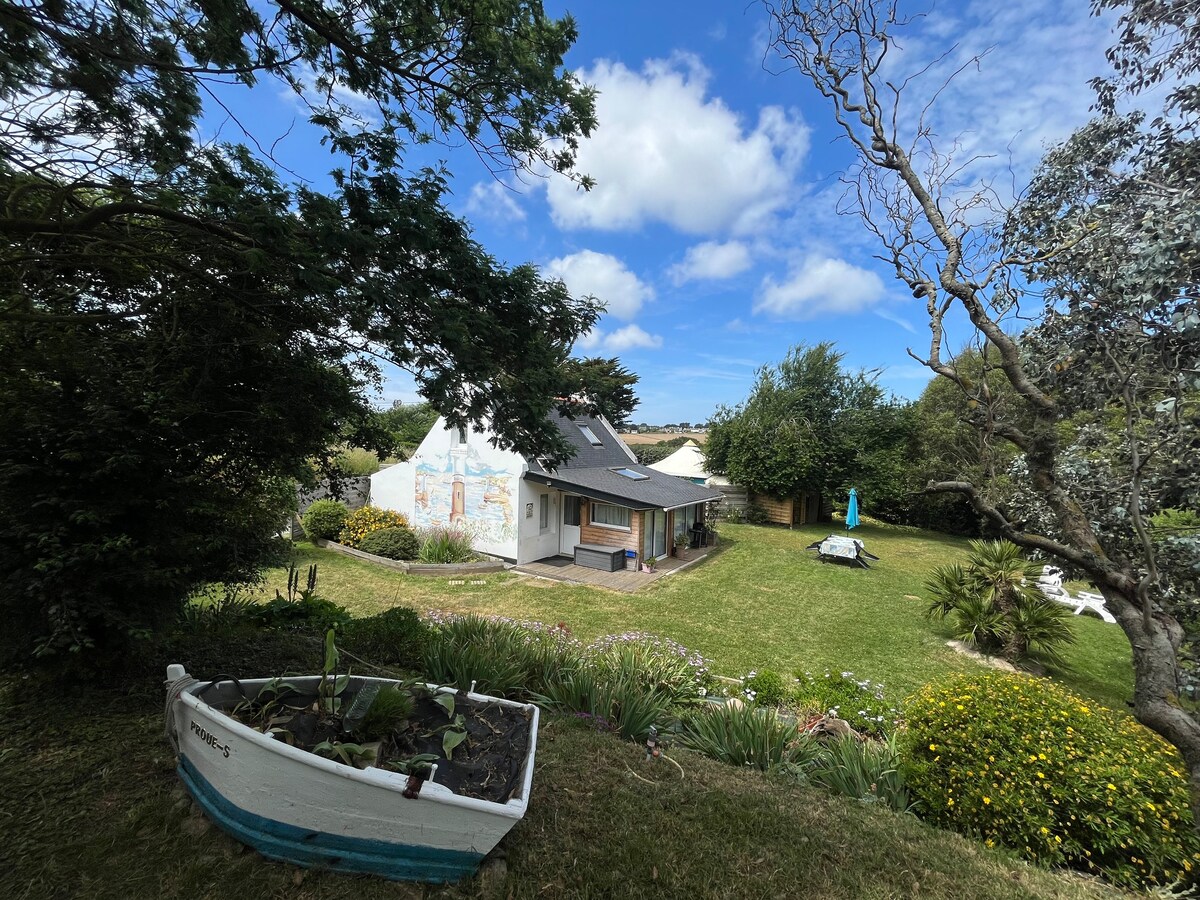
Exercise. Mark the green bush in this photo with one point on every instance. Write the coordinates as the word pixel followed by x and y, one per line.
pixel 355 462
pixel 765 688
pixel 656 663
pixel 324 520
pixel 366 520
pixel 1027 764
pixel 739 734
pixel 868 771
pixel 394 637
pixel 398 542
pixel 860 702
pixel 623 703
pixel 306 613
pixel 442 545
pixel 502 656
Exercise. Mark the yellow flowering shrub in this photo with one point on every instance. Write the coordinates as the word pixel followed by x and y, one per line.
pixel 363 521
pixel 1025 763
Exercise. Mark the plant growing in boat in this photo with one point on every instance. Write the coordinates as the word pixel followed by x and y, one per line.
pixel 332 685
pixel 391 707
pixel 358 755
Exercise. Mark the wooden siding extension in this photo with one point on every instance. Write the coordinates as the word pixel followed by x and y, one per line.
pixel 609 537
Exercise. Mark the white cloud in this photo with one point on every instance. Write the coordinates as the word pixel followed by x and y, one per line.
pixel 627 337
pixel 711 261
pixel 665 152
pixel 495 201
pixel 588 273
pixel 820 286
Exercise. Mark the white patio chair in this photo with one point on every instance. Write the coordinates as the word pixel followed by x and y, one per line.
pixel 1050 584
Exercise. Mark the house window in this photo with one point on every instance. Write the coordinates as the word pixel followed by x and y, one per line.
pixel 611 516
pixel 544 513
pixel 590 435
pixel 631 474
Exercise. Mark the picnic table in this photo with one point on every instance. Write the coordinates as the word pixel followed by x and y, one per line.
pixel 840 548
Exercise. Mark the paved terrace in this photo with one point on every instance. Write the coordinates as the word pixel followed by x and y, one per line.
pixel 563 568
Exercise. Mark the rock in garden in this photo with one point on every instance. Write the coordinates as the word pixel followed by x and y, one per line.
pixel 832 727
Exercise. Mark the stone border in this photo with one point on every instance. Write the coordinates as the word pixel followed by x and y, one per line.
pixel 417 568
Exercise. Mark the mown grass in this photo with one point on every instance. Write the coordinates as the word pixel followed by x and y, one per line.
pixel 762 602
pixel 90 807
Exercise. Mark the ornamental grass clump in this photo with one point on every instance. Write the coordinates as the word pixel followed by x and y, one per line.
pixel 1027 764
pixel 363 521
pixel 654 662
pixel 443 545
pixel 502 656
pixel 739 734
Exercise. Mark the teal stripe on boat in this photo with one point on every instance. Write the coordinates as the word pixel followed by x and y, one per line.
pixel 319 850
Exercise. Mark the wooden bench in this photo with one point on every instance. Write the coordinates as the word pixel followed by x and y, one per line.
pixel 596 556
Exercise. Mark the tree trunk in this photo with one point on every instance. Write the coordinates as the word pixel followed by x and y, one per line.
pixel 1156 686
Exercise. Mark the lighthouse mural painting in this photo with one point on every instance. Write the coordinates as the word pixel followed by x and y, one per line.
pixel 460 489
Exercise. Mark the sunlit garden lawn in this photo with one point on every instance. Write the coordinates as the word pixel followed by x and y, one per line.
pixel 762 602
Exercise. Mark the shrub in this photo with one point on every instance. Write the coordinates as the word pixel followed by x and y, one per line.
pixel 356 461
pixel 868 771
pixel 755 514
pixel 363 521
pixel 766 688
pixel 738 734
pixel 993 603
pixel 1028 764
pixel 398 542
pixel 308 612
pixel 217 607
pixel 394 637
pixel 443 545
pixel 502 656
pixel 622 701
pixel 324 520
pixel 653 662
pixel 859 701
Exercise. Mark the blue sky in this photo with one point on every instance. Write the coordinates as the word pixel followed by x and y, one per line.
pixel 712 234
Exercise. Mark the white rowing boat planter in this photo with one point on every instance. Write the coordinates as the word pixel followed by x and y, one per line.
pixel 297 807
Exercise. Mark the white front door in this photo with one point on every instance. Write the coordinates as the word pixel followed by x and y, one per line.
pixel 569 535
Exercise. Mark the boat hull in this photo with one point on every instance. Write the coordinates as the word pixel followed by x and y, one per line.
pixel 293 806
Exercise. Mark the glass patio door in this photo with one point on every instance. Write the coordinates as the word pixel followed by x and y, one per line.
pixel 654 542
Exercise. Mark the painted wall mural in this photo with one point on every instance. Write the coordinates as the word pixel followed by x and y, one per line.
pixel 460 489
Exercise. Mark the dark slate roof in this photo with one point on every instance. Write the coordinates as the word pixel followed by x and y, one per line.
pixel 591 471
pixel 611 452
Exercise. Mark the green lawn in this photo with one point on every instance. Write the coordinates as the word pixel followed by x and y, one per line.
pixel 762 602
pixel 90 807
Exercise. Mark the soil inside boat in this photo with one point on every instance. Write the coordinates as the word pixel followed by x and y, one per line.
pixel 486 766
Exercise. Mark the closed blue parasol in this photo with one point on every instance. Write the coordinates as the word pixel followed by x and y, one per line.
pixel 852 510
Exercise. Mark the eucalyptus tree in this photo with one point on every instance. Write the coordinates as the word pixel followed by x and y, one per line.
pixel 1110 228
pixel 185 325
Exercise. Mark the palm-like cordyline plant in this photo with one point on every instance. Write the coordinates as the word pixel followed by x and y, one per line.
pixel 993 603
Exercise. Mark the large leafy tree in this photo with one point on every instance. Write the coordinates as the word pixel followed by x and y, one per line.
pixel 182 331
pixel 605 385
pixel 811 426
pixel 1109 228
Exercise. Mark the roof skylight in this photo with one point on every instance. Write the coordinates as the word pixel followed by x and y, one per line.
pixel 631 474
pixel 590 435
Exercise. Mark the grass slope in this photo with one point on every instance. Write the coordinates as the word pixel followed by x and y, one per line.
pixel 90 807
pixel 762 602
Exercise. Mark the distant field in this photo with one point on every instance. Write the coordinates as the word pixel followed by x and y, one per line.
pixel 653 437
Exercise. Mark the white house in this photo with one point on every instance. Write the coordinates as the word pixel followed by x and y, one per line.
pixel 517 509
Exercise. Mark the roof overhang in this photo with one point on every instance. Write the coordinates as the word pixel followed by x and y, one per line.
pixel 565 483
